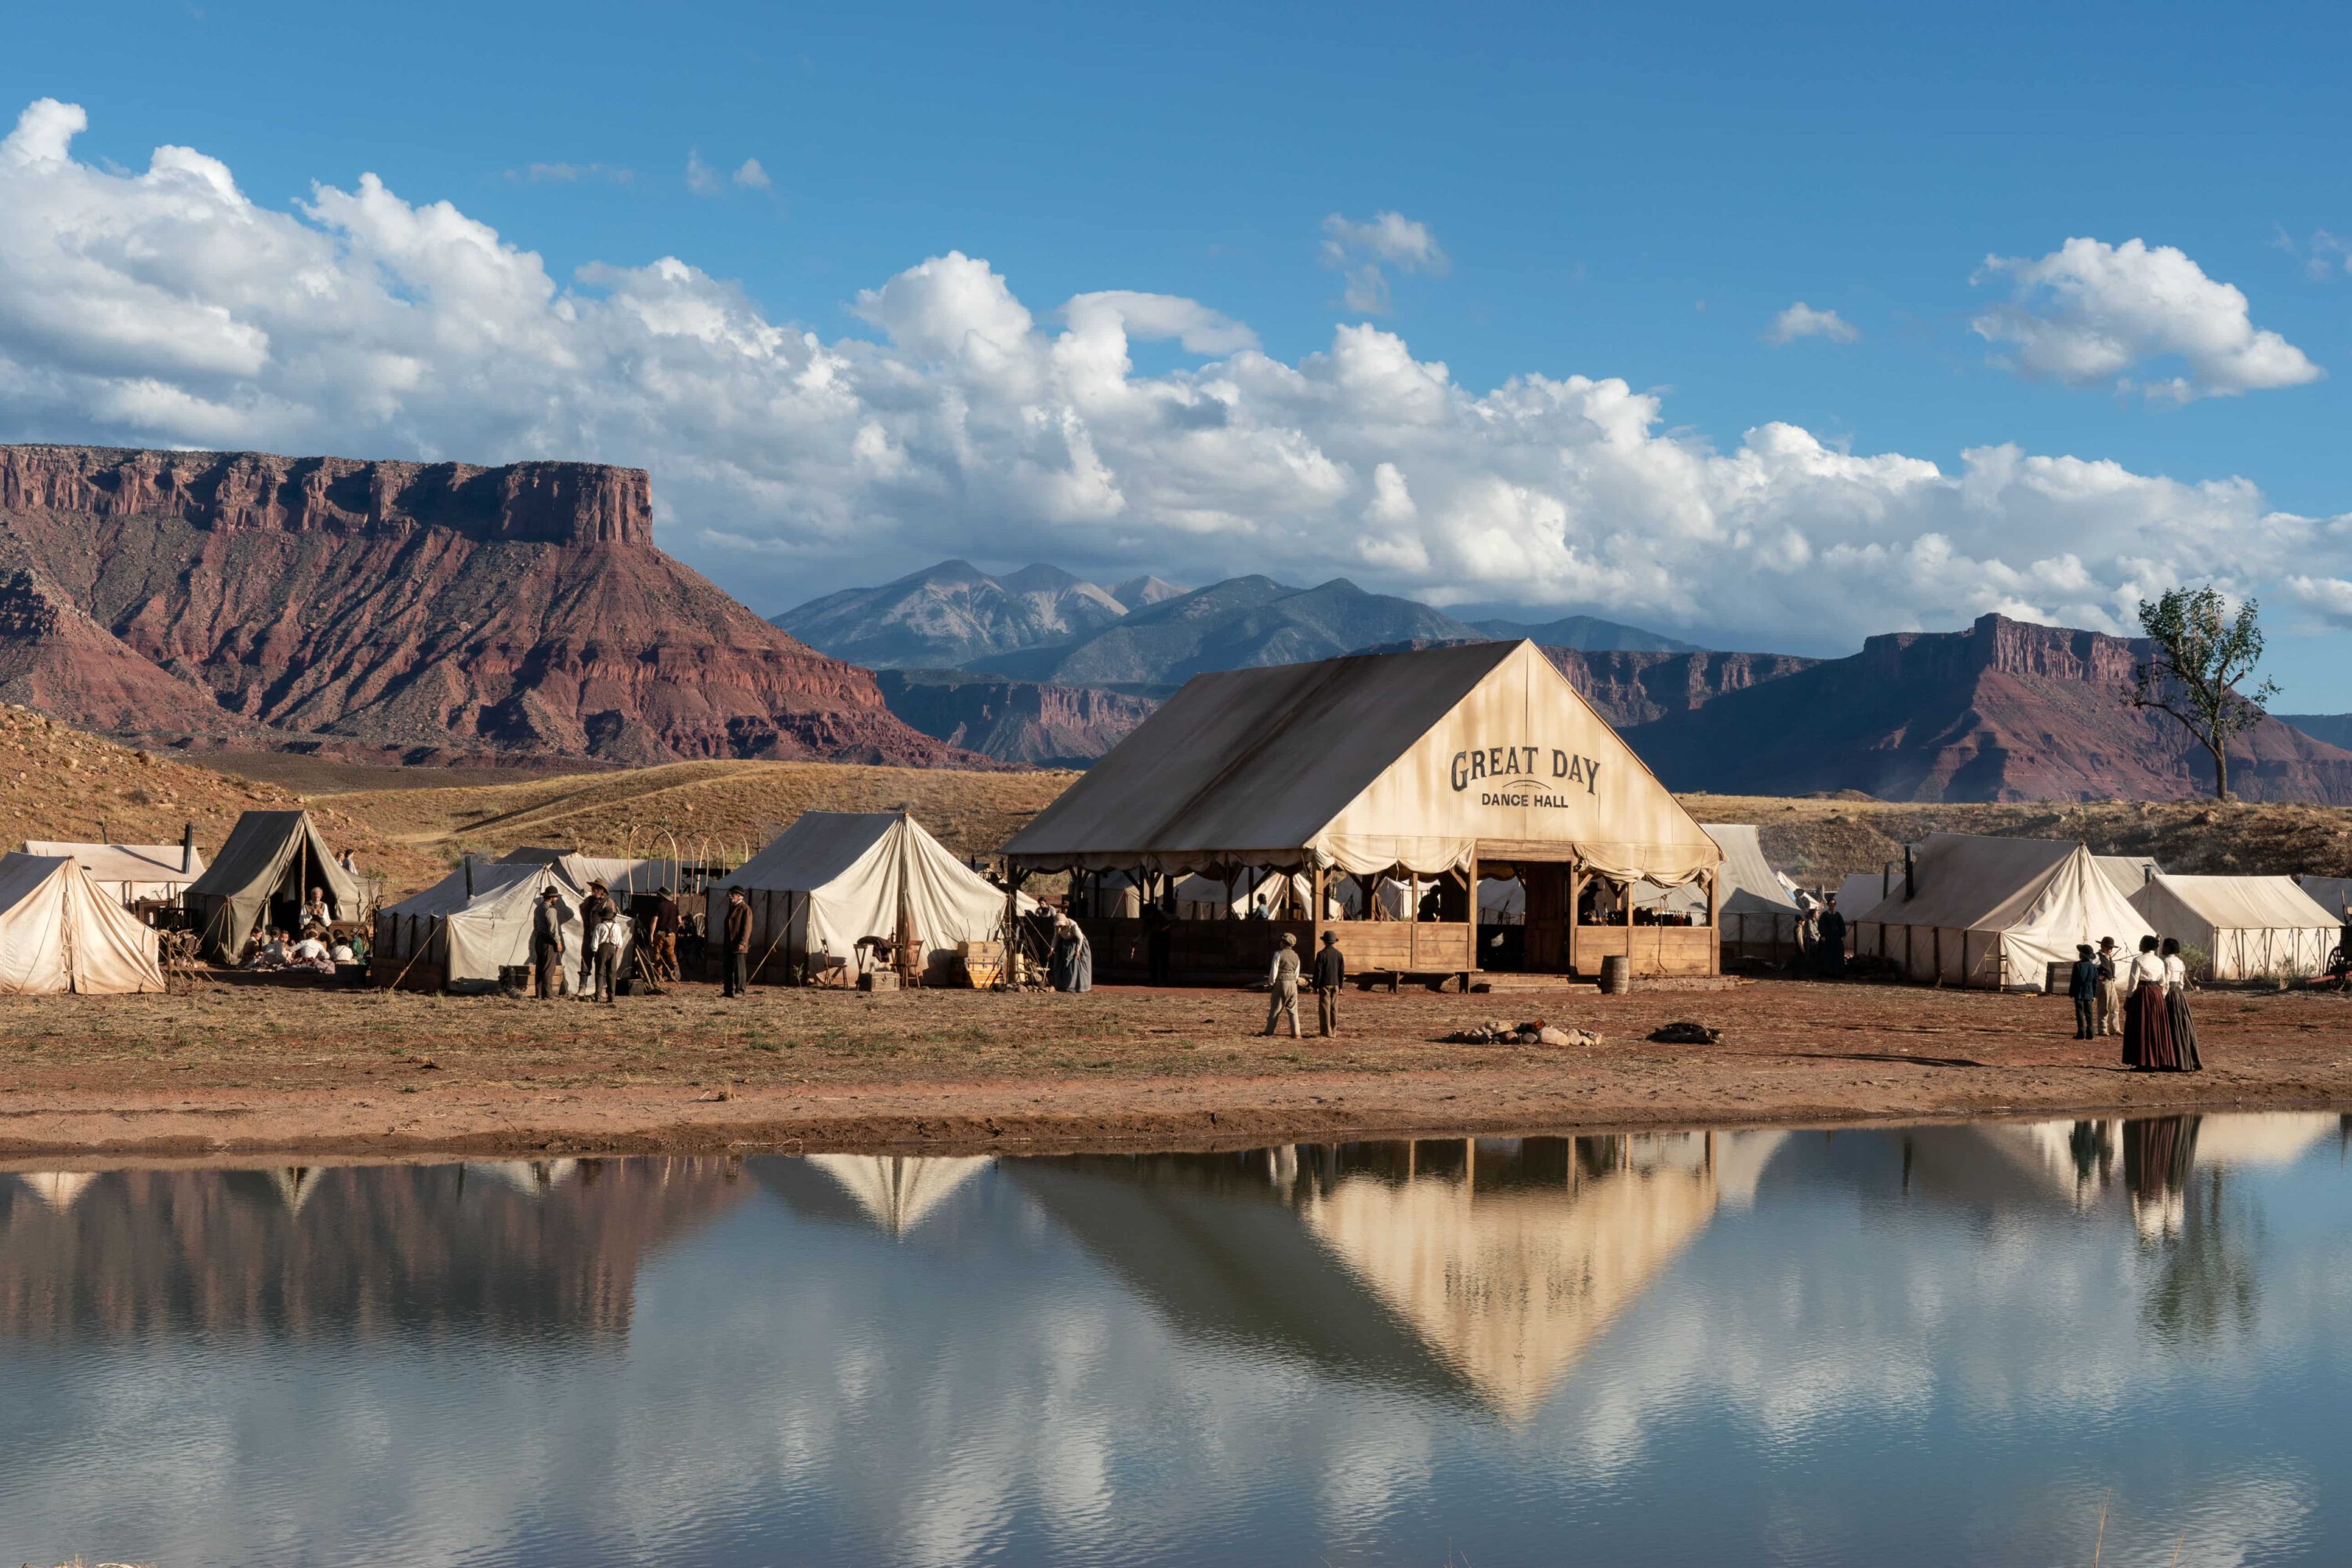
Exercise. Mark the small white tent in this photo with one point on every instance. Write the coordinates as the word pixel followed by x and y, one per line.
pixel 1996 913
pixel 130 871
pixel 262 874
pixel 459 934
pixel 2249 927
pixel 836 876
pixel 58 931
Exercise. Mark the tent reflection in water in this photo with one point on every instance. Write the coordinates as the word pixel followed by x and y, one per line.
pixel 1452 764
pixel 60 932
pixel 836 876
pixel 1480 1268
pixel 261 876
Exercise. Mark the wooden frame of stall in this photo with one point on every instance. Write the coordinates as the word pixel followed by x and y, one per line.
pixel 1555 942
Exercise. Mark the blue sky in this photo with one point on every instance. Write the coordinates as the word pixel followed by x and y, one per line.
pixel 1614 195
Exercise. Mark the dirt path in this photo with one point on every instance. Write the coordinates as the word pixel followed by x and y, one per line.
pixel 231 1072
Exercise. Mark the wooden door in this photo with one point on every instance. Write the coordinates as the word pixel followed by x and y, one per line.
pixel 1548 916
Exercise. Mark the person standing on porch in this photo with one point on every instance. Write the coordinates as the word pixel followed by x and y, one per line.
pixel 1282 982
pixel 1330 974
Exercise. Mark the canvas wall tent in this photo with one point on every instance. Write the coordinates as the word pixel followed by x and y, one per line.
pixel 2249 927
pixel 2332 894
pixel 836 876
pixel 265 869
pixel 2127 872
pixel 1757 906
pixel 1996 913
pixel 1438 761
pixel 131 872
pixel 451 937
pixel 60 932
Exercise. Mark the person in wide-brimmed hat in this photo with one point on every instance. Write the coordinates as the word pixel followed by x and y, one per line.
pixel 1282 981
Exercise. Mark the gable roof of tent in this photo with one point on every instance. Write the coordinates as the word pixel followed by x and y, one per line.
pixel 1344 762
pixel 1968 881
pixel 125 862
pixel 2237 903
pixel 59 932
pixel 252 866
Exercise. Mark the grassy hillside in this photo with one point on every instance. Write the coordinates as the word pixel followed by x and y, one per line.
pixel 60 783
pixel 1819 841
pixel 730 808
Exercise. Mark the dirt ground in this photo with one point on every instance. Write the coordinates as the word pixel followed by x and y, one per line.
pixel 232 1071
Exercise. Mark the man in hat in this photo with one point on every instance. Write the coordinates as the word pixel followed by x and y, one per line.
pixel 547 944
pixel 1831 928
pixel 1331 973
pixel 739 944
pixel 1282 980
pixel 2083 985
pixel 666 924
pixel 594 910
pixel 2111 991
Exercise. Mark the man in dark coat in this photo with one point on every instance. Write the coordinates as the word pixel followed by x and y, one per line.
pixel 1831 926
pixel 1159 940
pixel 666 929
pixel 547 944
pixel 739 944
pixel 1330 974
pixel 2083 985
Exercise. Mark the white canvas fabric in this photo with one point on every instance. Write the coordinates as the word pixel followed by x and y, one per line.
pixel 269 855
pixel 2250 927
pixel 2127 872
pixel 1996 913
pixel 1368 763
pixel 128 871
pixel 478 933
pixel 2332 894
pixel 836 876
pixel 1859 892
pixel 60 932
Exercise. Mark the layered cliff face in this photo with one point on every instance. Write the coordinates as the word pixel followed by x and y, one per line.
pixel 2002 712
pixel 1014 721
pixel 434 608
pixel 1634 688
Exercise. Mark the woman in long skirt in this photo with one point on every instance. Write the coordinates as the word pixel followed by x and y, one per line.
pixel 2148 1022
pixel 2175 1007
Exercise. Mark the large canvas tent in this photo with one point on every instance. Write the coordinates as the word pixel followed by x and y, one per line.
pixel 271 861
pixel 1756 906
pixel 60 932
pixel 2249 927
pixel 457 934
pixel 131 872
pixel 1995 912
pixel 1439 762
pixel 837 876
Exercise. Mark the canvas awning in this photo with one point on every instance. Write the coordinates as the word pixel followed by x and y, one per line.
pixel 60 932
pixel 269 855
pixel 1368 763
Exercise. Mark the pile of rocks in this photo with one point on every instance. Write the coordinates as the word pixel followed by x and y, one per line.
pixel 1535 1032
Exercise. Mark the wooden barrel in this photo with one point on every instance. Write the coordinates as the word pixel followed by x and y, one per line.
pixel 1616 974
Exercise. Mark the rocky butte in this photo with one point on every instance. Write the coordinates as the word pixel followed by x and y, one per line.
pixel 426 610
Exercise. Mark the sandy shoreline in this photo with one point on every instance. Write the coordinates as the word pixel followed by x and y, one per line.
pixel 230 1074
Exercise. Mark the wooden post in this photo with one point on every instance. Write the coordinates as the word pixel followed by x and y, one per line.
pixel 1715 918
pixel 1412 915
pixel 1575 915
pixel 1316 893
pixel 1477 954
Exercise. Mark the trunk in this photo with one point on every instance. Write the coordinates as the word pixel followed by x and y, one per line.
pixel 2221 770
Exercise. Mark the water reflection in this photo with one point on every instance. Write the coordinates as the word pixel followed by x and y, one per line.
pixel 1657 1348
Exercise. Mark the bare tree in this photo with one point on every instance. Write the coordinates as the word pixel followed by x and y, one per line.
pixel 2201 652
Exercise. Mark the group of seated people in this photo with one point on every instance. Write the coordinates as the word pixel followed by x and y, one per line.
pixel 319 948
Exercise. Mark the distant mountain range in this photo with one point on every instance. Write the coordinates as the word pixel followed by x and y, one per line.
pixel 1042 624
pixel 950 615
pixel 2336 729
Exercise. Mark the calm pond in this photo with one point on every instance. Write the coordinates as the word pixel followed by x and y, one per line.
pixel 1927 1345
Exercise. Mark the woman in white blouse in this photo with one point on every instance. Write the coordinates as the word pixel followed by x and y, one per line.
pixel 2175 1007
pixel 2148 1020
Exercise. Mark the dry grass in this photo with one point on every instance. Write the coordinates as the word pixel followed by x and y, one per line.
pixel 1820 841
pixel 60 783
pixel 734 807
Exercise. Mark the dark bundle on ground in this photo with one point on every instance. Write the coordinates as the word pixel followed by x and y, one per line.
pixel 1685 1034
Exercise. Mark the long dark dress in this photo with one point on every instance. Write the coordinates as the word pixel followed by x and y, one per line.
pixel 2147 1030
pixel 2184 1029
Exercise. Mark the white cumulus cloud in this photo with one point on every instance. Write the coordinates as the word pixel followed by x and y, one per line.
pixel 750 177
pixel 1801 321
pixel 1362 252
pixel 2088 311
pixel 165 306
